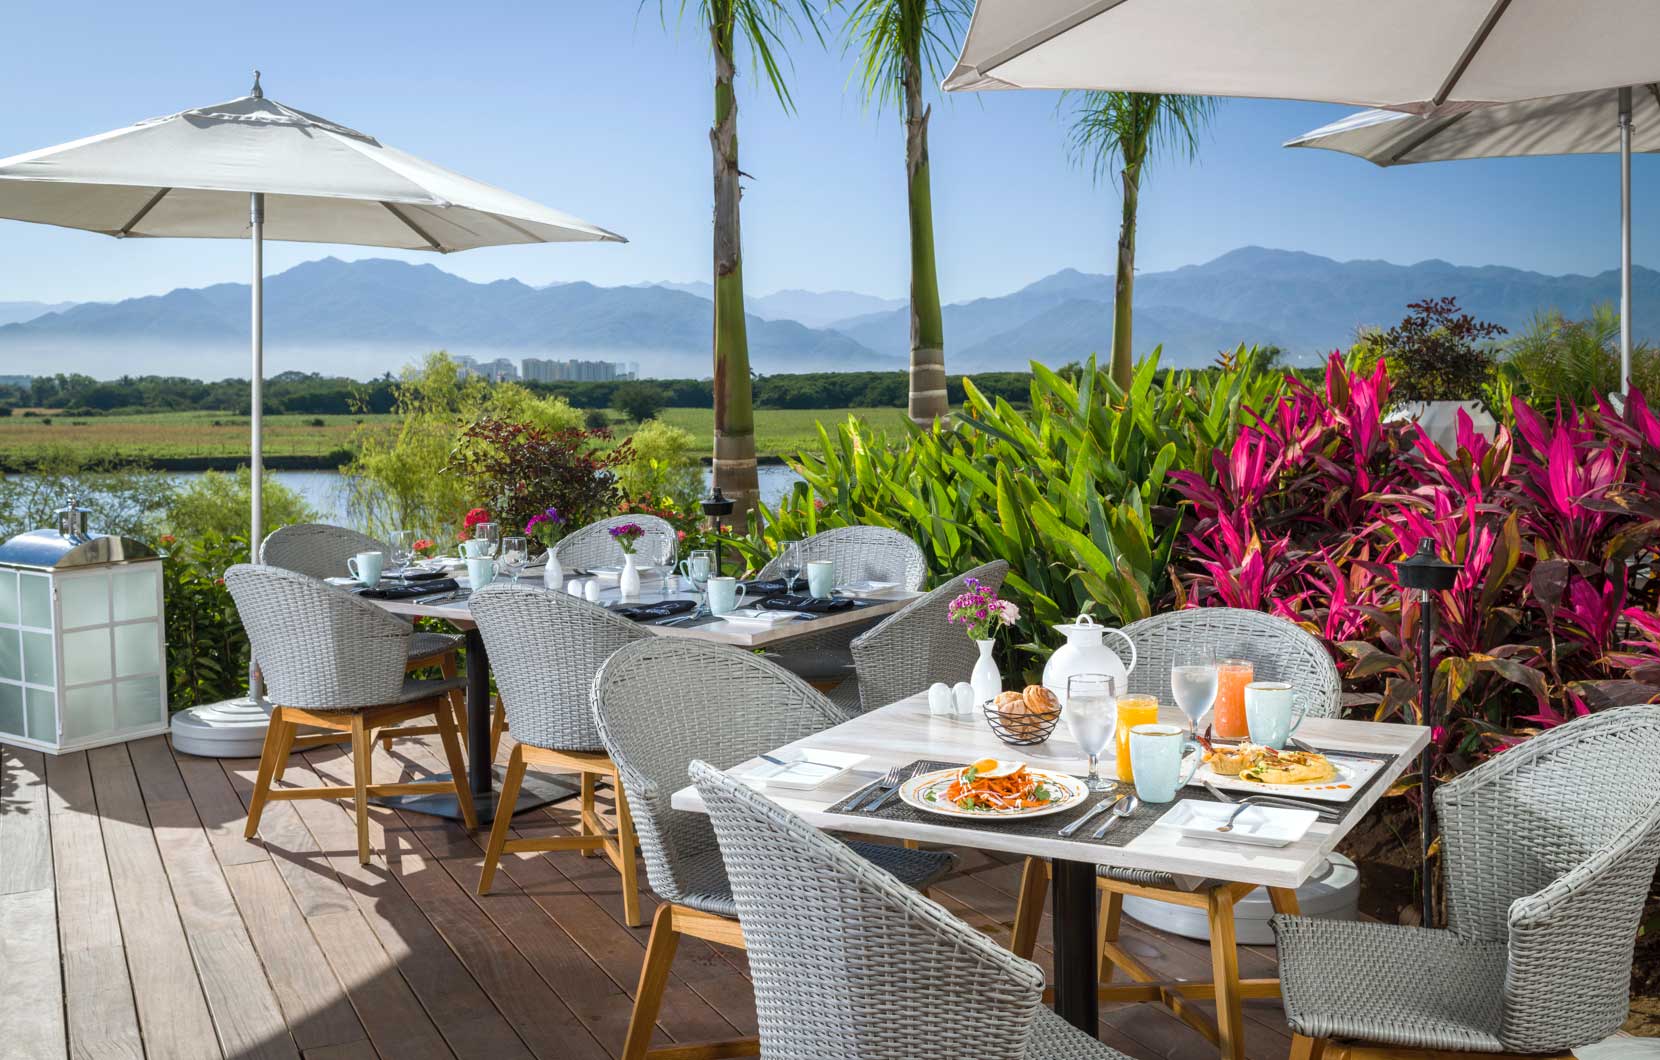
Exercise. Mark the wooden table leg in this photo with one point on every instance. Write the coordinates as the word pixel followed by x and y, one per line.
pixel 1224 959
pixel 1072 911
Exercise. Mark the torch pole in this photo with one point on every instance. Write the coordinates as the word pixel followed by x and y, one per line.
pixel 1426 765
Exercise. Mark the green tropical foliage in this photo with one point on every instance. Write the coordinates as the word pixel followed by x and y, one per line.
pixel 1575 360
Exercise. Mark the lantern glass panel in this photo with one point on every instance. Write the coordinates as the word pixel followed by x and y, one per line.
pixel 138 702
pixel 11 710
pixel 86 656
pixel 85 600
pixel 88 711
pixel 137 649
pixel 35 595
pixel 135 592
pixel 8 597
pixel 42 715
pixel 11 656
pixel 37 658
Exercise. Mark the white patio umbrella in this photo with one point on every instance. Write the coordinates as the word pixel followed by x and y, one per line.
pixel 1422 56
pixel 1619 120
pixel 255 169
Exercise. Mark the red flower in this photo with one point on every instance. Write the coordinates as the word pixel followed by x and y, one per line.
pixel 474 517
pixel 168 539
pixel 680 535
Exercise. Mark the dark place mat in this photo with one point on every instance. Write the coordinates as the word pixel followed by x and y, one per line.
pixel 1120 834
pixel 808 605
pixel 648 612
pixel 405 592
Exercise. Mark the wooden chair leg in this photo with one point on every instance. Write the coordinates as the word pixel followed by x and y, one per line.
pixel 1307 1048
pixel 458 768
pixel 628 866
pixel 654 976
pixel 504 821
pixel 273 757
pixel 1028 910
pixel 456 696
pixel 1106 930
pixel 498 725
pixel 1224 959
pixel 362 748
pixel 586 812
pixel 1284 900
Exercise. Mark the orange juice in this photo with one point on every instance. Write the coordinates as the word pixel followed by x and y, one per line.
pixel 1232 675
pixel 1132 711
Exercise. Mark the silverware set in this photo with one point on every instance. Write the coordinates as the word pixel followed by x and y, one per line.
pixel 1119 808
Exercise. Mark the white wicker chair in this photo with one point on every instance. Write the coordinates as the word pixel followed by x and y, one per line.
pixel 593 546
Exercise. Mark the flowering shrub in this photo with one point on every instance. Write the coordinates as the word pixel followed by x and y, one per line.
pixel 520 470
pixel 980 611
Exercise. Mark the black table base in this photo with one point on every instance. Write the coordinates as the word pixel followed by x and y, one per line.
pixel 1072 910
pixel 537 790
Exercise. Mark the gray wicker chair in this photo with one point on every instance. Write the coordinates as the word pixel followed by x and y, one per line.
pixel 1279 650
pixel 861 553
pixel 545 648
pixel 662 702
pixel 850 964
pixel 336 662
pixel 1549 852
pixel 916 646
pixel 593 546
pixel 321 550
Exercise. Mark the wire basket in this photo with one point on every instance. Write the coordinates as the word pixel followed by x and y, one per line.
pixel 1023 729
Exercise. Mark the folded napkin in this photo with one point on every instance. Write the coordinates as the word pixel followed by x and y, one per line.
pixel 647 612
pixel 764 586
pixel 405 592
pixel 806 603
pixel 415 574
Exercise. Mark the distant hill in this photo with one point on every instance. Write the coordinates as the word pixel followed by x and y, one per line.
pixel 12 312
pixel 816 309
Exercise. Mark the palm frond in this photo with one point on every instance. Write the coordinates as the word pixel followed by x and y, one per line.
pixel 1111 130
pixel 760 25
pixel 883 32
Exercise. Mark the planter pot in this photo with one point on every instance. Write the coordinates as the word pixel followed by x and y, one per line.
pixel 1439 419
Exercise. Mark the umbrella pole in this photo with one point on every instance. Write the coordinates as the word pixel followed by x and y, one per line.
pixel 256 408
pixel 1625 241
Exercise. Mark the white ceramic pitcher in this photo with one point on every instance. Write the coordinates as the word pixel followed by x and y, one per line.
pixel 1085 652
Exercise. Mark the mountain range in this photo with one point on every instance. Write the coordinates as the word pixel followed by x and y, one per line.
pixel 365 317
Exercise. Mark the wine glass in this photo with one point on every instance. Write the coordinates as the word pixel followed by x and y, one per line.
pixel 662 553
pixel 790 563
pixel 515 556
pixel 1091 714
pixel 490 534
pixel 699 568
pixel 403 549
pixel 1193 686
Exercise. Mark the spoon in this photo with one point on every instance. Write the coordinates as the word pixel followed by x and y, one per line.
pixel 1233 815
pixel 1123 808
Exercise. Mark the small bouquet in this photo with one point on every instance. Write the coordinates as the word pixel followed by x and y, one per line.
pixel 981 612
pixel 422 547
pixel 627 535
pixel 546 527
pixel 474 517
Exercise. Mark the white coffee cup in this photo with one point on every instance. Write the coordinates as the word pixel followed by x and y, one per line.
pixel 481 571
pixel 366 568
pixel 725 594
pixel 1271 713
pixel 821 578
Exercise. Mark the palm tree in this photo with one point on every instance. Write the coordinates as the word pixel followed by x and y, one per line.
pixel 1121 130
pixel 759 24
pixel 896 40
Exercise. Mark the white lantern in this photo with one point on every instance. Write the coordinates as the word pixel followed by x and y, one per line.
pixel 83 659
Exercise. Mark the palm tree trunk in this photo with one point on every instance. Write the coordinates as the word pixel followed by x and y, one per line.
pixel 929 399
pixel 734 462
pixel 1123 293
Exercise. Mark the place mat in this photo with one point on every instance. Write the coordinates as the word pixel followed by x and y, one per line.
pixel 649 612
pixel 808 604
pixel 406 592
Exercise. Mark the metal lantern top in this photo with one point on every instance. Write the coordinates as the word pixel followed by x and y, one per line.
pixel 717 504
pixel 71 545
pixel 1425 570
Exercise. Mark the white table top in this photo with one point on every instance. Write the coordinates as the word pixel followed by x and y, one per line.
pixel 904 732
pixel 721 632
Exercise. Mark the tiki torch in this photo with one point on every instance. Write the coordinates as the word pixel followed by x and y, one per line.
pixel 1424 574
pixel 716 506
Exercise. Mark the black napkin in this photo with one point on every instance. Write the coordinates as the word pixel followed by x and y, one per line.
pixel 807 604
pixel 758 587
pixel 647 612
pixel 405 592
pixel 415 574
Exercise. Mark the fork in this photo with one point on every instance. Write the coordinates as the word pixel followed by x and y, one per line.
pixel 916 771
pixel 883 787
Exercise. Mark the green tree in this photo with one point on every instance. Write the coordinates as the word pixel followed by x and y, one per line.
pixel 898 43
pixel 760 26
pixel 639 401
pixel 1120 131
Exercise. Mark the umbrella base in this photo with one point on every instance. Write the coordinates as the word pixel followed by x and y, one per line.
pixel 231 728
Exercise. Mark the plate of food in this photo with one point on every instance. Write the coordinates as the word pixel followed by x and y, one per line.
pixel 1301 774
pixel 993 788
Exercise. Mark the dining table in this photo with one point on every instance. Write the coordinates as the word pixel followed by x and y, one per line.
pixel 909 736
pixel 451 607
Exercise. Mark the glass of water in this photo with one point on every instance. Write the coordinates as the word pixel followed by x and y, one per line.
pixel 1091 714
pixel 515 555
pixel 490 534
pixel 790 563
pixel 403 549
pixel 1193 686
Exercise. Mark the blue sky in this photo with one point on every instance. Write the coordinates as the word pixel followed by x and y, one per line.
pixel 598 109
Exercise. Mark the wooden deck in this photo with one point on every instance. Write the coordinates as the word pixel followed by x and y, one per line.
pixel 135 921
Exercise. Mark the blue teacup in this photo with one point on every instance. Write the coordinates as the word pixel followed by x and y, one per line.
pixel 1158 762
pixel 1271 713
pixel 366 567
pixel 725 594
pixel 821 579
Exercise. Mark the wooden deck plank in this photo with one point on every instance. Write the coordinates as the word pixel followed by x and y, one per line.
pixel 173 1015
pixel 102 1021
pixel 31 990
pixel 245 1009
pixel 25 836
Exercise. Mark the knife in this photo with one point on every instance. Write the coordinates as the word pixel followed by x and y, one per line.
pixel 1094 812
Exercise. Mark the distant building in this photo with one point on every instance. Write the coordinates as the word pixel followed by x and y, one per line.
pixel 539 370
pixel 500 370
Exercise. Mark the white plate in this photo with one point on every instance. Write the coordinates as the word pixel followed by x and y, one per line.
pixel 758 616
pixel 804 769
pixel 1263 826
pixel 1071 791
pixel 1352 775
pixel 867 588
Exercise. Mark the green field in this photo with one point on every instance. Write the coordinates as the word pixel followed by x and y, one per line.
pixel 162 436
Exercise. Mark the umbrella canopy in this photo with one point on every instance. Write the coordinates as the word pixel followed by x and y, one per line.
pixel 190 174
pixel 1416 55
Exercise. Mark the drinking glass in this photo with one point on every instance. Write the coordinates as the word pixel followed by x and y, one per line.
pixel 490 534
pixel 403 549
pixel 1232 675
pixel 1091 714
pixel 1132 711
pixel 699 568
pixel 790 563
pixel 515 555
pixel 663 552
pixel 1193 686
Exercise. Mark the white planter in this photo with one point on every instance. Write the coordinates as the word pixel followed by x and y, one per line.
pixel 986 678
pixel 553 575
pixel 1439 419
pixel 628 584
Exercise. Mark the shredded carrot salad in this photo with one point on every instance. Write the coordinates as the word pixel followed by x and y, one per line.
pixel 1016 790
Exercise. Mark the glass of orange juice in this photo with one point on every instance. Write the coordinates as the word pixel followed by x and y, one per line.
pixel 1232 675
pixel 1132 711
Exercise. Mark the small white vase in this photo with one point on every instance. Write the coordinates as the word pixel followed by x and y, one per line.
pixel 553 575
pixel 986 678
pixel 629 583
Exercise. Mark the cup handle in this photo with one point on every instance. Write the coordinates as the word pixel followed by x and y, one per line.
pixel 351 566
pixel 743 594
pixel 1299 712
pixel 1196 759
